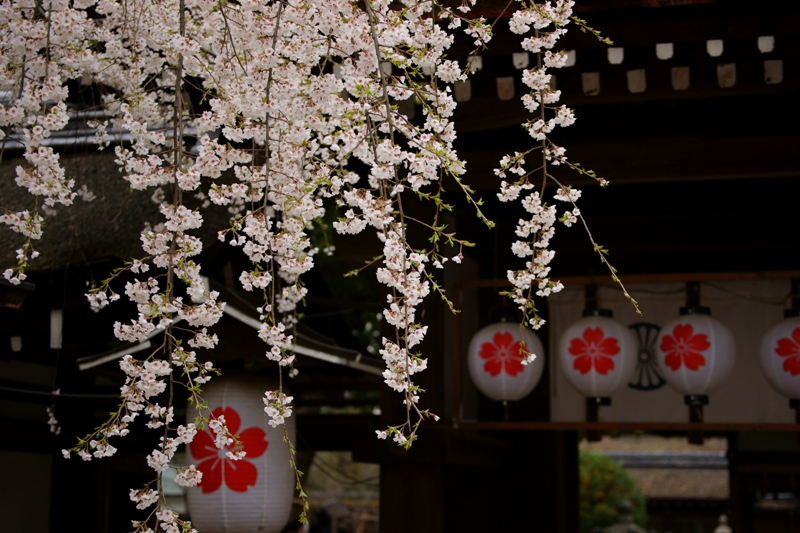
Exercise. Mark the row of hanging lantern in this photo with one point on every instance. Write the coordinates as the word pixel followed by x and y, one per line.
pixel 597 355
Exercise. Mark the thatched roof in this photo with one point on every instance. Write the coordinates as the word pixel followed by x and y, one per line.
pixel 654 443
pixel 682 484
pixel 108 226
pixel 670 467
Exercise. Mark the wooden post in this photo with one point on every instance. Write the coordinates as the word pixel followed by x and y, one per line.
pixel 696 403
pixel 692 294
pixel 593 405
pixel 590 304
pixel 590 301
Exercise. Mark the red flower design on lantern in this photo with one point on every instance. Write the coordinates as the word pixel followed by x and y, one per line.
pixel 684 347
pixel 790 349
pixel 502 354
pixel 216 466
pixel 594 349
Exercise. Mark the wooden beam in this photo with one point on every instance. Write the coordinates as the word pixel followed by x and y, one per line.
pixel 648 160
pixel 472 115
pixel 500 8
pixel 676 277
pixel 682 22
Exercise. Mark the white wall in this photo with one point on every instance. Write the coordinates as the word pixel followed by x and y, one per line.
pixel 747 308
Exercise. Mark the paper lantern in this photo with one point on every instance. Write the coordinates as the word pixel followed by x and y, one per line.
pixel 780 356
pixel 495 363
pixel 597 354
pixel 695 353
pixel 254 493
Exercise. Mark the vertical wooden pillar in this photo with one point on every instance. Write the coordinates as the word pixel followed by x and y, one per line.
pixel 412 498
pixel 740 501
pixel 548 480
pixel 569 463
pixel 505 481
pixel 80 494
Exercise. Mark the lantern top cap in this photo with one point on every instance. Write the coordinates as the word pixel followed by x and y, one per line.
pixel 598 312
pixel 791 313
pixel 503 313
pixel 506 317
pixel 695 310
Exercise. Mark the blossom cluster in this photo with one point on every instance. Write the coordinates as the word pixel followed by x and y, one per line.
pixel 52 421
pixel 38 52
pixel 547 21
pixel 277 406
pixel 294 93
pixel 303 122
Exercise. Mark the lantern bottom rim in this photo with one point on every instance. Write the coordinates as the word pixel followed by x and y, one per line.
pixel 599 400
pixel 598 312
pixel 695 399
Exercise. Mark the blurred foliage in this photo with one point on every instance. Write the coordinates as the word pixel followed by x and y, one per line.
pixel 603 484
pixel 369 335
pixel 363 289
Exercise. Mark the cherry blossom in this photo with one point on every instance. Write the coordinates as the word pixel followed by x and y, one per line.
pixel 277 407
pixel 548 21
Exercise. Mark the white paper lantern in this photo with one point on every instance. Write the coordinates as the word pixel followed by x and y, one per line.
pixel 695 353
pixel 780 357
pixel 597 354
pixel 495 363
pixel 253 494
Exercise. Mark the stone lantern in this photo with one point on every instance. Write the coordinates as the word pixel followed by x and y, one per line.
pixel 625 523
pixel 723 526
